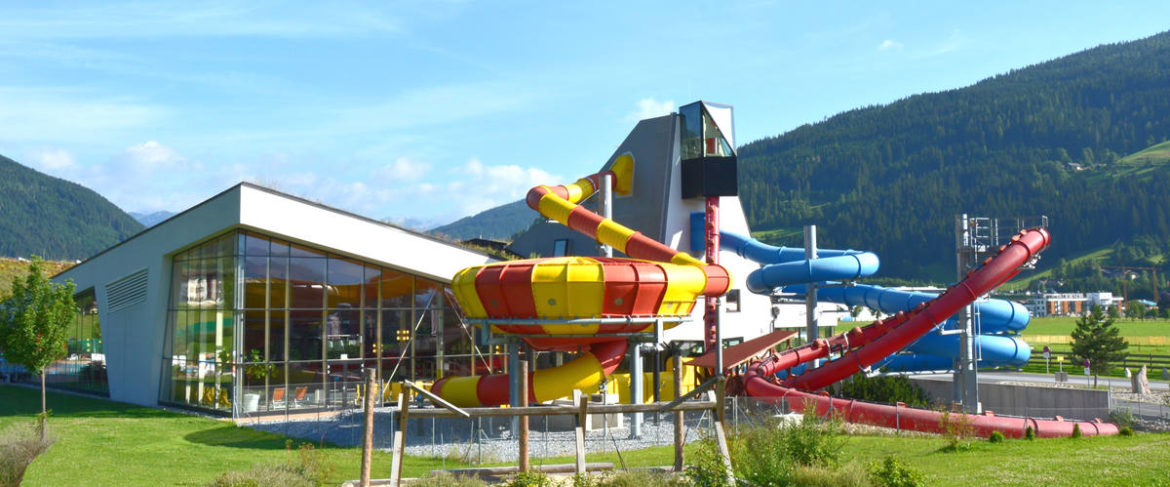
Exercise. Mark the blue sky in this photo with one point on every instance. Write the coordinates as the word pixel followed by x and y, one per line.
pixel 431 111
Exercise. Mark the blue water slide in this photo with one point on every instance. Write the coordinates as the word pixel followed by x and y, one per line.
pixel 787 268
pixel 995 315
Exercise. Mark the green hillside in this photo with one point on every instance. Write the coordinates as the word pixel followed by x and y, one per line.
pixel 54 218
pixel 499 223
pixel 1037 140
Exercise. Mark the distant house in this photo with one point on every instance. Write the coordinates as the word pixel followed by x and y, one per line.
pixel 1058 304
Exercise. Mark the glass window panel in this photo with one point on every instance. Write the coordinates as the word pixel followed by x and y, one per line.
pixel 342 380
pixel 278 282
pixel 370 286
pixel 342 333
pixel 302 251
pixel 178 284
pixel 306 385
pixel 207 250
pixel 276 332
pixel 227 278
pixel 396 289
pixel 427 294
pixel 255 245
pixel 345 282
pixel 691 139
pixel 279 248
pixel 225 246
pixel 255 281
pixel 254 335
pixel 307 278
pixel 305 335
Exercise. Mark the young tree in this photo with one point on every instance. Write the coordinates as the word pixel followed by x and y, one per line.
pixel 34 321
pixel 1095 338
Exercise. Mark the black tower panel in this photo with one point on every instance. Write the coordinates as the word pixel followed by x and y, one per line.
pixel 709 176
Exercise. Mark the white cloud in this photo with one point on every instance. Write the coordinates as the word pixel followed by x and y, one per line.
pixel 60 115
pixel 51 160
pixel 402 169
pixel 889 44
pixel 649 108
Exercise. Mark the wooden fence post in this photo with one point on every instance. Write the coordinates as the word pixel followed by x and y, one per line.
pixel 524 460
pixel 678 416
pixel 368 427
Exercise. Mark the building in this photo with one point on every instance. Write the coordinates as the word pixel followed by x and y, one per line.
pixel 1058 304
pixel 259 295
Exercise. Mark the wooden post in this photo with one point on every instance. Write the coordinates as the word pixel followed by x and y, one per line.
pixel 524 463
pixel 399 446
pixel 678 416
pixel 368 428
pixel 721 399
pixel 581 401
pixel 721 439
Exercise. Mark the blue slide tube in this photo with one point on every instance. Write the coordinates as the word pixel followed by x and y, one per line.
pixel 995 316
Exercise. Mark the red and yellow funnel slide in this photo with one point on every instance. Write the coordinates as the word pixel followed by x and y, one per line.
pixel 552 300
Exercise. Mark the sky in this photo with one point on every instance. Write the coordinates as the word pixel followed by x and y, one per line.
pixel 425 112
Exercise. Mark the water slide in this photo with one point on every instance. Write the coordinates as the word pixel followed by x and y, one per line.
pixel 936 352
pixel 862 348
pixel 576 303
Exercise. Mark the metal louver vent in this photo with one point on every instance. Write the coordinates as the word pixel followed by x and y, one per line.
pixel 127 291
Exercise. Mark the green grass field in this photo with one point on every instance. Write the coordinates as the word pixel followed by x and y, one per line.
pixel 108 443
pixel 1064 325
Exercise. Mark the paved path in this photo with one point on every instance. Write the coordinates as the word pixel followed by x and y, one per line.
pixel 1008 376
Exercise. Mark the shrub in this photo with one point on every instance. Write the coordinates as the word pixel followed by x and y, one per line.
pixel 893 473
pixel 312 464
pixel 996 437
pixel 530 479
pixel 887 389
pixel 20 444
pixel 1125 431
pixel 1076 430
pixel 1122 417
pixel 444 479
pixel 633 478
pixel 1029 433
pixel 277 475
pixel 813 476
pixel 956 428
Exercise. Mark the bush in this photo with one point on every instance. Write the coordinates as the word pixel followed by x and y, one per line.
pixel 633 478
pixel 887 389
pixel 770 454
pixel 530 479
pixel 996 437
pixel 277 475
pixel 444 479
pixel 1122 418
pixel 1125 431
pixel 309 469
pixel 1029 433
pixel 20 444
pixel 956 428
pixel 893 473
pixel 830 477
pixel 1077 430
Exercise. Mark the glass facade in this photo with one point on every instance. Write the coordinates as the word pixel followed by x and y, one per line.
pixel 84 367
pixel 306 323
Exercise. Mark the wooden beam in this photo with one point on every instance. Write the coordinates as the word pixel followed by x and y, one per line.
pixel 368 427
pixel 582 402
pixel 437 400
pixel 563 410
pixel 525 462
pixel 398 444
pixel 679 439
pixel 706 385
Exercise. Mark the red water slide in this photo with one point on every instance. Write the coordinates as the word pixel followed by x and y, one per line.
pixel 863 347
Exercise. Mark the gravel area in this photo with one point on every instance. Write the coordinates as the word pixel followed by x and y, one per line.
pixel 486 439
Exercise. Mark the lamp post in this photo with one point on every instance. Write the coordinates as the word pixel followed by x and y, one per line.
pixel 1060 362
pixel 1047 355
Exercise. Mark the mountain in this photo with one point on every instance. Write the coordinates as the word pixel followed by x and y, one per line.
pixel 499 223
pixel 151 219
pixel 54 218
pixel 1048 139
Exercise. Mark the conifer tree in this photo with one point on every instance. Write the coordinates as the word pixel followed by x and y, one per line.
pixel 1097 339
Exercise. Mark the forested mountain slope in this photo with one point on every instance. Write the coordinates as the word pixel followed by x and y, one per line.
pixel 1045 139
pixel 54 218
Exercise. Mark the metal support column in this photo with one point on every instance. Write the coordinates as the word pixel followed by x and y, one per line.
pixel 636 388
pixel 713 333
pixel 606 207
pixel 514 379
pixel 812 324
pixel 966 376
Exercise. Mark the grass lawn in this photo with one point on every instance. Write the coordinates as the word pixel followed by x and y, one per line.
pixel 108 443
pixel 1064 325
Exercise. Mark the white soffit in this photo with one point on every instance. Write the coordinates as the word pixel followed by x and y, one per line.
pixel 345 233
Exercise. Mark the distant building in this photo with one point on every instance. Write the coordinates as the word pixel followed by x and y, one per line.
pixel 1058 304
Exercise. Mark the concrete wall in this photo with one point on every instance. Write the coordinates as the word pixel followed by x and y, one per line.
pixel 1019 400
